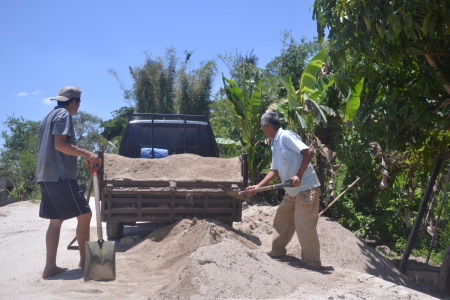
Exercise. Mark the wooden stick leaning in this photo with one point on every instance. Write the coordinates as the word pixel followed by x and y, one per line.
pixel 341 194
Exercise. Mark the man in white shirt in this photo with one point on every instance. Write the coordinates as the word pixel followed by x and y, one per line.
pixel 299 210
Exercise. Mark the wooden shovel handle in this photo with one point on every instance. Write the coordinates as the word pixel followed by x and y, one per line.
pixel 97 197
pixel 287 183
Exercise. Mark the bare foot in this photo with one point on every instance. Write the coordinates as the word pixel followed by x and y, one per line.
pixel 53 272
pixel 81 266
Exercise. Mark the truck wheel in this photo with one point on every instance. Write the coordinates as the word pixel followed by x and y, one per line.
pixel 114 230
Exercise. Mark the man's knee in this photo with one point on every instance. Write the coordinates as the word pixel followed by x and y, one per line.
pixel 55 223
pixel 85 217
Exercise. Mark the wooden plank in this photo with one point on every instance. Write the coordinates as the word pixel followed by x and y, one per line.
pixel 150 192
pixel 167 219
pixel 166 200
pixel 168 183
pixel 168 210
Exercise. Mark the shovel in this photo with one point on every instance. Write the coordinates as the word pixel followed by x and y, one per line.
pixel 240 194
pixel 100 255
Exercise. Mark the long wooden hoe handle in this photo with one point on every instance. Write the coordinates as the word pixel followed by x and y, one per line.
pixel 288 183
pixel 341 194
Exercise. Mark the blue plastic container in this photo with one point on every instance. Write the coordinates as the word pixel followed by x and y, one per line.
pixel 158 153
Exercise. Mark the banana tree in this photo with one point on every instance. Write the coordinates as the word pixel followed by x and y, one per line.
pixel 299 103
pixel 307 99
pixel 352 101
pixel 247 110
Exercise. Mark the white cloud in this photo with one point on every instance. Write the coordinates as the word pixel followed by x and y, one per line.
pixel 47 101
pixel 25 94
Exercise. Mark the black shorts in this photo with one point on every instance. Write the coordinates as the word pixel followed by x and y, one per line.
pixel 62 200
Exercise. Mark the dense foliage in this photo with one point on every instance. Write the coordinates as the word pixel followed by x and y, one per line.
pixel 402 48
pixel 19 155
pixel 114 128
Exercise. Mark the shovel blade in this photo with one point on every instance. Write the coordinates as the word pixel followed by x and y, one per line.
pixel 100 262
pixel 233 193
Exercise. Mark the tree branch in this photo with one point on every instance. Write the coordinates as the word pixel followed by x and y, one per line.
pixel 432 63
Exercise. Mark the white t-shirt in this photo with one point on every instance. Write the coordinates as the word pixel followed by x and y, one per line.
pixel 287 158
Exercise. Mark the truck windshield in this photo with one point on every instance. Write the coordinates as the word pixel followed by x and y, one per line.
pixel 167 138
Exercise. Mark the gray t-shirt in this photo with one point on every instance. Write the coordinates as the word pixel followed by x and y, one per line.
pixel 53 164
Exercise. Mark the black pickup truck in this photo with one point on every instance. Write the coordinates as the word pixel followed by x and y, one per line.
pixel 125 201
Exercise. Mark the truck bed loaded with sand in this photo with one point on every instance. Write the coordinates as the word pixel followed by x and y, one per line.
pixel 168 170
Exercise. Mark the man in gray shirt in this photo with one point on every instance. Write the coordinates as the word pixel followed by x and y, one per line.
pixel 62 198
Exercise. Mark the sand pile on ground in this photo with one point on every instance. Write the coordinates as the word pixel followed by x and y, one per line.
pixel 339 246
pixel 232 269
pixel 168 248
pixel 180 167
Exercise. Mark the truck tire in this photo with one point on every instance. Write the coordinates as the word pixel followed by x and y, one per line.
pixel 114 230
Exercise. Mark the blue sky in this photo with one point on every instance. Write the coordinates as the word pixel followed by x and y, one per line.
pixel 50 44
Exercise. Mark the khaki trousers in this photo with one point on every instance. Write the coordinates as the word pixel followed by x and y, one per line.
pixel 298 214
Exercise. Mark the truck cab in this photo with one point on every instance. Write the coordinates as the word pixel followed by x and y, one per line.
pixel 175 134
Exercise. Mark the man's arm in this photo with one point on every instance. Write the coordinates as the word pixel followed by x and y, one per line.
pixel 67 148
pixel 307 156
pixel 268 178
